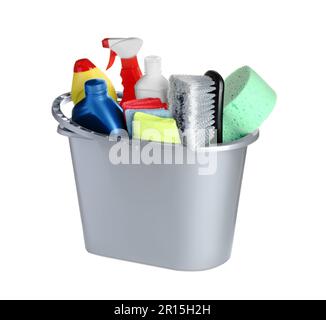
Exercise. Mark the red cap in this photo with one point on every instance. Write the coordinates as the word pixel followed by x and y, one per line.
pixel 83 65
pixel 105 43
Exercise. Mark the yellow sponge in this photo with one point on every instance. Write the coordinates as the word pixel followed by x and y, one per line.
pixel 153 128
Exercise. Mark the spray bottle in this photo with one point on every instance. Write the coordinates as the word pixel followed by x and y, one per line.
pixel 126 49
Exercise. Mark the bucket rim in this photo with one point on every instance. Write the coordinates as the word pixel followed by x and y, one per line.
pixel 72 130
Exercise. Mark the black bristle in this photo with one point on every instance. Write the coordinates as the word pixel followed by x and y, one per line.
pixel 218 102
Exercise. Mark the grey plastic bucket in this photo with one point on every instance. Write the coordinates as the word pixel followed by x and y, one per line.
pixel 165 215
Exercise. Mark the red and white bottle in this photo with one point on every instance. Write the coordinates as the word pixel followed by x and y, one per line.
pixel 126 49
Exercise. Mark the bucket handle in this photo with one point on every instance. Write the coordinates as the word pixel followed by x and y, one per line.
pixel 68 124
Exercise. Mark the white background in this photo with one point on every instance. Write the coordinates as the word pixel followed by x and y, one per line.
pixel 279 248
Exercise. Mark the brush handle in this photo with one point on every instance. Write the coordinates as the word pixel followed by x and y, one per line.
pixel 218 102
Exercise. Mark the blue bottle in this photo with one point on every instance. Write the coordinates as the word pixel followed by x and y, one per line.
pixel 98 112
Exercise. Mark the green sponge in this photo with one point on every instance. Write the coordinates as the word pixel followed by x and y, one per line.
pixel 247 103
pixel 148 127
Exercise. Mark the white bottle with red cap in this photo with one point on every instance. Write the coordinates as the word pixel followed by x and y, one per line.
pixel 152 84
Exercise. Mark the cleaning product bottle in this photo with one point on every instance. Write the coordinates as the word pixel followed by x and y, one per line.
pixel 85 70
pixel 126 49
pixel 98 111
pixel 152 84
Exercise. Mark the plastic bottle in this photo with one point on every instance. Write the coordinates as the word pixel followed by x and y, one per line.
pixel 126 49
pixel 98 111
pixel 85 70
pixel 152 84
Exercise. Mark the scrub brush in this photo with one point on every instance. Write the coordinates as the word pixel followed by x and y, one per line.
pixel 196 103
